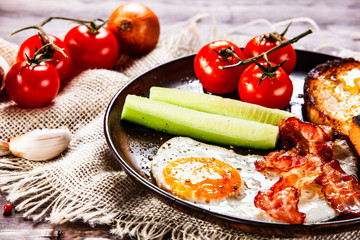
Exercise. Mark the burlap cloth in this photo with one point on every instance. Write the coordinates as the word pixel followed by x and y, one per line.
pixel 85 183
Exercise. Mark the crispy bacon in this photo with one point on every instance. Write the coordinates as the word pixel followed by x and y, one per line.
pixel 280 203
pixel 308 158
pixel 305 137
pixel 281 200
pixel 342 190
pixel 281 160
pixel 299 138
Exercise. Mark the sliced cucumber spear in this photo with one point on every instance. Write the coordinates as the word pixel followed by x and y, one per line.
pixel 218 105
pixel 199 125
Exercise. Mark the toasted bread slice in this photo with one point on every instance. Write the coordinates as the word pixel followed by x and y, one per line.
pixel 354 133
pixel 332 95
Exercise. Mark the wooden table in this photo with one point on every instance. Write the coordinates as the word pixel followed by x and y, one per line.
pixel 339 22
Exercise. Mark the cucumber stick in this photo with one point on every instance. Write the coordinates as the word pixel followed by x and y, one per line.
pixel 199 125
pixel 218 105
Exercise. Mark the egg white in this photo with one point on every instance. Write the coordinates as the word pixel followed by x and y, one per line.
pixel 312 202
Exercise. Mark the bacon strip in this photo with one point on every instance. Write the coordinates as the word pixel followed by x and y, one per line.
pixel 280 203
pixel 281 160
pixel 281 200
pixel 342 190
pixel 299 138
pixel 305 137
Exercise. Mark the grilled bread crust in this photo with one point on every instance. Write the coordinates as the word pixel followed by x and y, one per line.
pixel 330 97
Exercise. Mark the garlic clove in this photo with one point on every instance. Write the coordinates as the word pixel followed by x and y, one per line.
pixel 40 145
pixel 4 148
pixel 4 68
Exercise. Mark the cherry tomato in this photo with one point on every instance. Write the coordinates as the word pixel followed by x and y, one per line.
pixel 61 63
pixel 206 66
pixel 32 86
pixel 272 92
pixel 92 50
pixel 265 42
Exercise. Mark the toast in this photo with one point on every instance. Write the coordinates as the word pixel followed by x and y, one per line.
pixel 332 95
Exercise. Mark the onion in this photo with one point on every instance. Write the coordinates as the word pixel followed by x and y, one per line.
pixel 136 27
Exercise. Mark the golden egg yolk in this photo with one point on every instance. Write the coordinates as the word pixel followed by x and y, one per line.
pixel 202 179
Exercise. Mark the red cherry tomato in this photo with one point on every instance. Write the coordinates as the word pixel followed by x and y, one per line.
pixel 263 43
pixel 206 66
pixel 272 92
pixel 92 50
pixel 32 86
pixel 61 63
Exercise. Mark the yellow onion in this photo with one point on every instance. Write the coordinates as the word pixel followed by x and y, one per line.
pixel 136 27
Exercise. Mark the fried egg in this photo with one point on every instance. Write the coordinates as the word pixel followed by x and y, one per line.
pixel 222 181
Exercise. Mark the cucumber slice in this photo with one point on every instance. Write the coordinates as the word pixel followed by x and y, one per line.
pixel 218 105
pixel 203 126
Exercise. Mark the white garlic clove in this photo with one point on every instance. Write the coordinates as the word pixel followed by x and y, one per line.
pixel 4 68
pixel 4 148
pixel 40 145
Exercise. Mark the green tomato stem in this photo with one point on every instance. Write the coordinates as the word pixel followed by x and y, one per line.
pixel 285 30
pixel 36 59
pixel 281 45
pixel 91 25
pixel 43 33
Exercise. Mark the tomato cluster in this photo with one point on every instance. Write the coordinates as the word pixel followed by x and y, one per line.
pixel 35 79
pixel 44 61
pixel 61 62
pixel 262 82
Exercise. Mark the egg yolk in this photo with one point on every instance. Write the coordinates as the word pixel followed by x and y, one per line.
pixel 202 179
pixel 351 81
